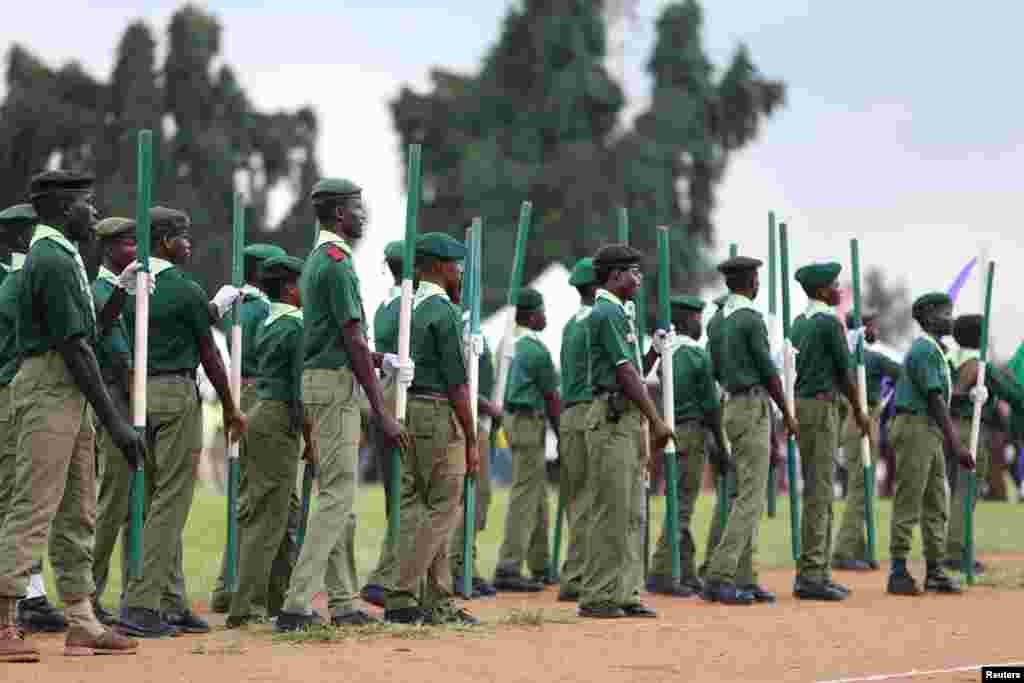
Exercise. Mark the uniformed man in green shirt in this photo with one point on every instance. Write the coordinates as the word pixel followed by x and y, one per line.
pixel 577 397
pixel 823 369
pixel 444 444
pixel 278 425
pixel 57 391
pixel 920 428
pixel 254 309
pixel 17 223
pixel 746 371
pixel 180 338
pixel 613 573
pixel 851 542
pixel 336 357
pixel 698 412
pixel 532 402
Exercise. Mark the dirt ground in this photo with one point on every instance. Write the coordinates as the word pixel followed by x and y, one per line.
pixel 871 634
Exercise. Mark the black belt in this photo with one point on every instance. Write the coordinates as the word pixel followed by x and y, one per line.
pixel 743 391
pixel 187 374
pixel 576 403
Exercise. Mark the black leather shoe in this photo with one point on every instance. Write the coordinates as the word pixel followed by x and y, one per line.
pixel 516 583
pixel 839 587
pixel 902 584
pixel 601 612
pixel 938 581
pixel 664 585
pixel 409 615
pixel 186 621
pixel 374 594
pixel 762 595
pixel 288 622
pixel 544 579
pixel 874 565
pixel 37 615
pixel 568 595
pixel 850 565
pixel 485 589
pixel 353 617
pixel 139 622
pixel 818 590
pixel 639 611
pixel 725 593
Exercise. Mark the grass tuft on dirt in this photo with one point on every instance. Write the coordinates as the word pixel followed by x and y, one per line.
pixel 536 618
pixel 332 634
pixel 1007 578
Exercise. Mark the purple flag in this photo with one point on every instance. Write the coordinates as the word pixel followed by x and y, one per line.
pixel 961 279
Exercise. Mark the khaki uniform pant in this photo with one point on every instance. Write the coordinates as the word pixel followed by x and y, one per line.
pixel 457 549
pixel 8 450
pixel 527 518
pixel 748 426
pixel 272 464
pixel 745 570
pixel 433 471
pixel 921 487
pixel 690 438
pixel 955 531
pixel 175 425
pixel 851 541
pixel 613 567
pixel 54 489
pixel 579 498
pixel 386 572
pixel 819 438
pixel 328 553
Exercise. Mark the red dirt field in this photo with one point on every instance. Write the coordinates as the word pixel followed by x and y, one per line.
pixel 872 634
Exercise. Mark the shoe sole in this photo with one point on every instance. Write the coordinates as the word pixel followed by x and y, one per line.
pixel 600 616
pixel 133 632
pixel 818 598
pixel 91 651
pixel 19 659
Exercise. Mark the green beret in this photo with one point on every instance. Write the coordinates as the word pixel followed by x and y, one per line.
pixel 440 245
pixel 19 213
pixel 334 187
pixel 395 251
pixel 739 264
pixel 815 275
pixel 930 300
pixel 59 182
pixel 114 227
pixel 281 267
pixel 530 300
pixel 264 251
pixel 582 273
pixel 690 303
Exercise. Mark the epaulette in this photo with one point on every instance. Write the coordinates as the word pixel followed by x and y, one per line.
pixel 336 253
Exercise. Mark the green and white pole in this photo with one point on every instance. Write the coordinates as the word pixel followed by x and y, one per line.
pixel 668 405
pixel 474 348
pixel 237 279
pixel 143 199
pixel 862 392
pixel 790 381
pixel 972 476
pixel 772 309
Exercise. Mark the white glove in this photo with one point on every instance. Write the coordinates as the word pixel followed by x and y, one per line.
pixel 630 307
pixel 225 298
pixel 853 337
pixel 979 394
pixel 392 364
pixel 662 340
pixel 129 278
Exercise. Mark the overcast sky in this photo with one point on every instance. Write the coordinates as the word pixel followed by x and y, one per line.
pixel 901 126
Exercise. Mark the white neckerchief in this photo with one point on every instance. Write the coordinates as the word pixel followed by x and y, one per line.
pixel 583 313
pixel 280 309
pixel 608 296
pixel 327 237
pixel 815 307
pixel 393 294
pixel 107 275
pixel 428 290
pixel 45 232
pixel 681 340
pixel 737 302
pixel 961 355
pixel 158 265
pixel 17 262
pixel 254 291
pixel 949 380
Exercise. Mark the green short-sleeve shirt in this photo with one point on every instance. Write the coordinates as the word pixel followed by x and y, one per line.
pixel 385 325
pixel 714 347
pixel 743 351
pixel 823 358
pixel 9 359
pixel 611 343
pixel 925 370
pixel 577 384
pixel 694 387
pixel 114 344
pixel 876 367
pixel 436 345
pixel 54 305
pixel 278 348
pixel 532 375
pixel 255 308
pixel 330 300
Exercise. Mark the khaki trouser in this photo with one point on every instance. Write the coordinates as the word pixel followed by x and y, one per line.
pixel 386 572
pixel 527 518
pixel 819 437
pixel 613 568
pixel 54 483
pixel 328 553
pixel 433 471
pixel 745 570
pixel 8 450
pixel 272 464
pixel 456 553
pixel 690 438
pixel 921 487
pixel 579 498
pixel 851 541
pixel 174 423
pixel 748 426
pixel 955 531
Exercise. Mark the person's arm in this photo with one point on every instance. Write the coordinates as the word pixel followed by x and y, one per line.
pixel 840 352
pixel 235 423
pixel 756 334
pixel 708 393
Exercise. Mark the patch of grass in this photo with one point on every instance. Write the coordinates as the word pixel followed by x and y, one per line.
pixel 232 647
pixel 331 634
pixel 1007 578
pixel 536 618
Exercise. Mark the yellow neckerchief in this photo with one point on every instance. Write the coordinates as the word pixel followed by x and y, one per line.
pixel 945 368
pixel 428 290
pixel 255 292
pixel 280 309
pixel 45 232
pixel 737 302
pixel 107 275
pixel 327 237
pixel 815 307
pixel 17 262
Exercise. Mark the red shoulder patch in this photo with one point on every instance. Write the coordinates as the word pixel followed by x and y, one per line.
pixel 336 253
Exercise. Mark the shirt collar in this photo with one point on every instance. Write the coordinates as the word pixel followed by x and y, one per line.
pixel 328 237
pixel 736 302
pixel 17 262
pixel 815 307
pixel 608 296
pixel 280 309
pixel 427 290
pixel 158 265
pixel 393 293
pixel 583 312
pixel 45 232
pixel 107 275
pixel 254 291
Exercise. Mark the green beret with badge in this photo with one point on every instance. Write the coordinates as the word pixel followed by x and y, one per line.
pixel 327 188
pixel 19 213
pixel 688 302
pixel 440 245
pixel 816 275
pixel 582 273
pixel 264 251
pixel 114 227
pixel 530 301
pixel 281 268
pixel 739 264
pixel 59 183
pixel 395 251
pixel 926 302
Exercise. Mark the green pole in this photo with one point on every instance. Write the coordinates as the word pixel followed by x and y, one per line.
pixel 794 494
pixel 412 207
pixel 308 475
pixel 474 348
pixel 772 287
pixel 668 405
pixel 724 486
pixel 237 279
pixel 143 199
pixel 623 225
pixel 972 476
pixel 865 444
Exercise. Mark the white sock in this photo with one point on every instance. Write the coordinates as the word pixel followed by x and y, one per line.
pixel 36 587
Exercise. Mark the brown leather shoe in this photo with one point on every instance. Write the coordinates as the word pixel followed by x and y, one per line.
pixel 14 648
pixel 80 644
